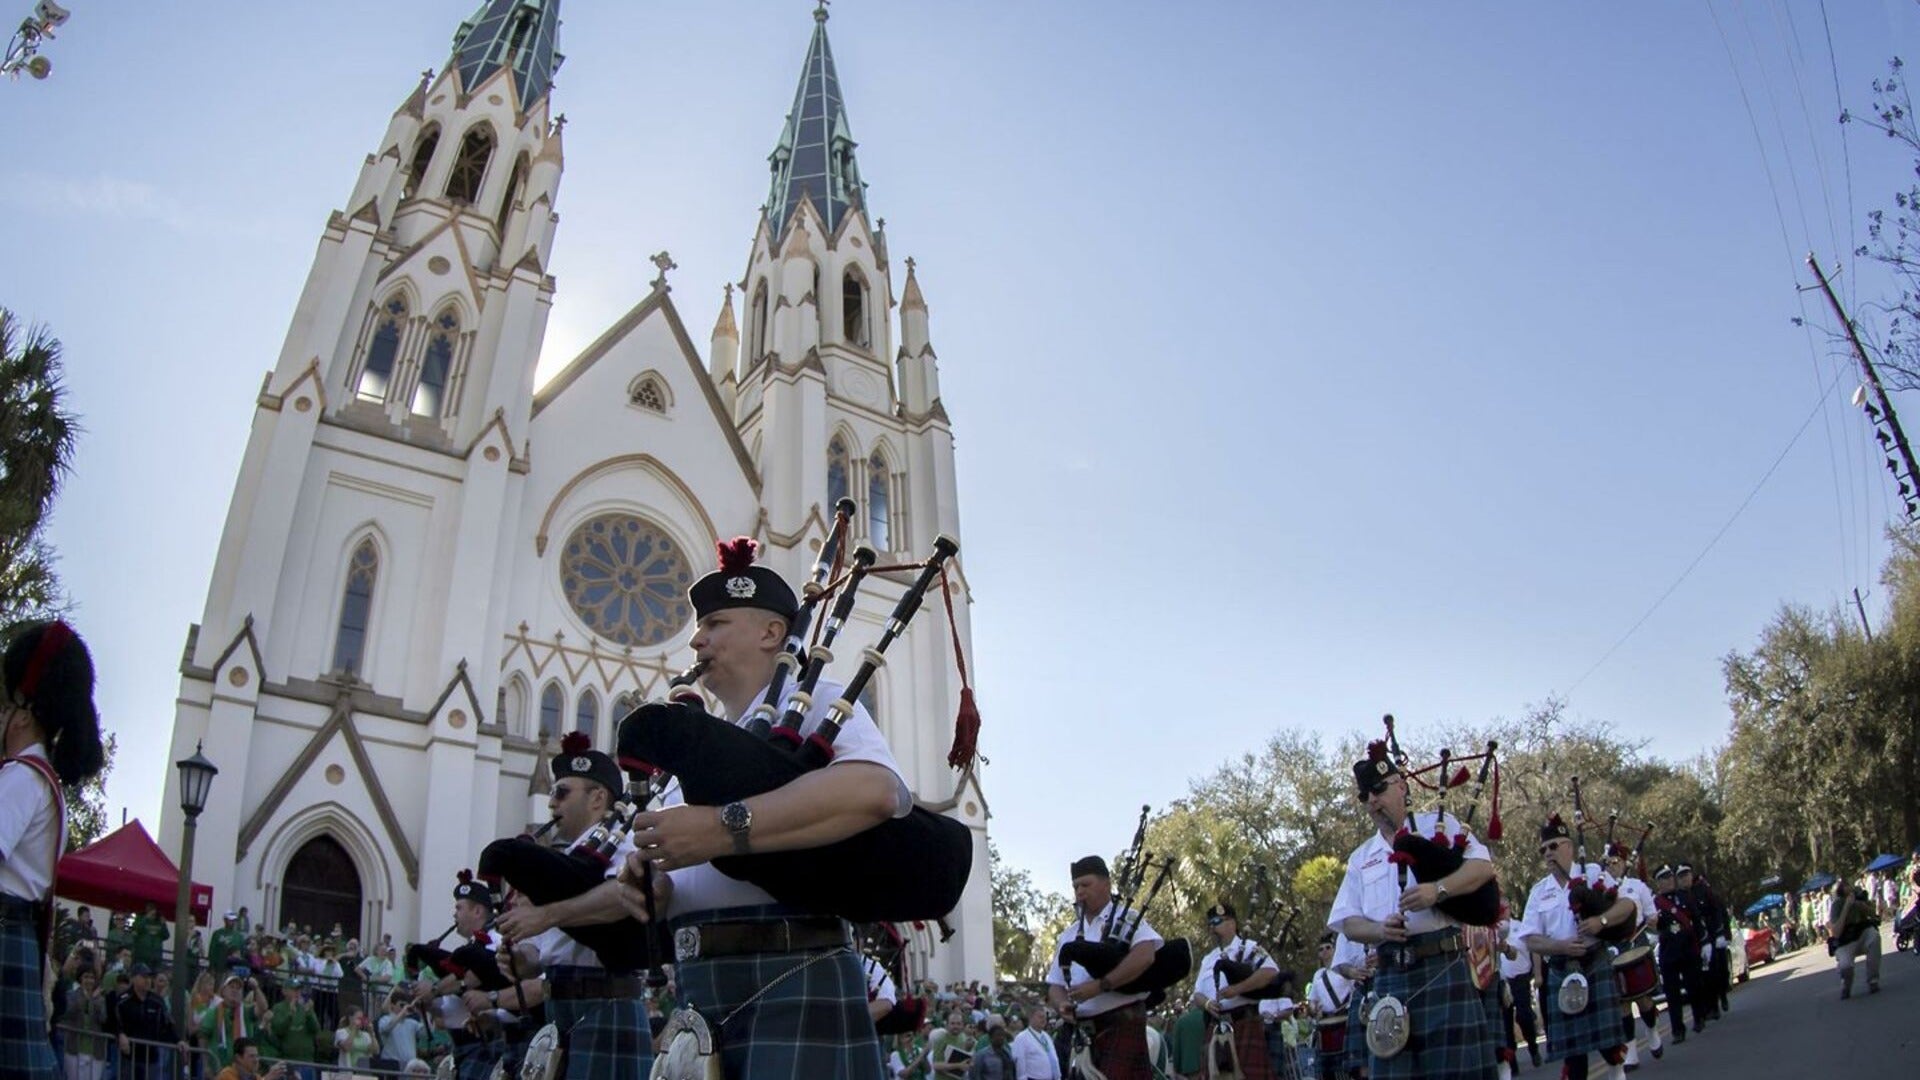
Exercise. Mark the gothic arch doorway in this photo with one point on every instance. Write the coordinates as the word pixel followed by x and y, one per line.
pixel 321 887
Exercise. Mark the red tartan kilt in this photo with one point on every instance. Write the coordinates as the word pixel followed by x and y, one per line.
pixel 1249 1042
pixel 1120 1044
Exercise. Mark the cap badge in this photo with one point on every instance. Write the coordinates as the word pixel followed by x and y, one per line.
pixel 741 588
pixel 1380 767
pixel 581 764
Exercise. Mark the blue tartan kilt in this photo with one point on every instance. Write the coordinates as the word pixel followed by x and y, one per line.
pixel 474 1060
pixel 1449 1038
pixel 1353 1055
pixel 813 1025
pixel 606 1038
pixel 1597 1027
pixel 26 1050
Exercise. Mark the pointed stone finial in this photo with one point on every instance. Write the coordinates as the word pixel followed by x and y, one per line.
pixel 820 12
pixel 663 262
pixel 724 326
pixel 560 122
pixel 910 292
pixel 909 266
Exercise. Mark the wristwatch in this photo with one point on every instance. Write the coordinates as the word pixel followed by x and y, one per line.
pixel 1439 891
pixel 493 998
pixel 739 822
pixel 1106 985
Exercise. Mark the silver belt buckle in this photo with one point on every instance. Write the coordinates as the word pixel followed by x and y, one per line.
pixel 686 944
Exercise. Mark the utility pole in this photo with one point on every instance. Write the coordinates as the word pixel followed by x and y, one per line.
pixel 1862 609
pixel 1884 415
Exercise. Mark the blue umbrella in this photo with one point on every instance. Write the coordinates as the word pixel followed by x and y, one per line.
pixel 1766 903
pixel 1817 881
pixel 1885 862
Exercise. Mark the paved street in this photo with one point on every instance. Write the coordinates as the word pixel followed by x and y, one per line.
pixel 1788 1021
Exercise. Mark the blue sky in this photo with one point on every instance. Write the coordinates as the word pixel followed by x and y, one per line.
pixel 1306 361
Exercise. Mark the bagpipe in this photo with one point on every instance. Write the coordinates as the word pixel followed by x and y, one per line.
pixel 883 944
pixel 1432 857
pixel 905 868
pixel 546 875
pixel 1264 909
pixel 1592 899
pixel 1171 961
pixel 475 956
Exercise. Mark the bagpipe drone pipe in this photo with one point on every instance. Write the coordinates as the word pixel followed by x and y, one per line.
pixel 1264 909
pixel 906 868
pixel 884 944
pixel 1432 856
pixel 1174 957
pixel 1592 899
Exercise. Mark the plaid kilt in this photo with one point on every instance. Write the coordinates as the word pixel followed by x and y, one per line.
pixel 812 1026
pixel 26 1051
pixel 1119 1047
pixel 516 1037
pixel 1354 1056
pixel 1450 1038
pixel 1597 1027
pixel 606 1038
pixel 1249 1042
pixel 474 1055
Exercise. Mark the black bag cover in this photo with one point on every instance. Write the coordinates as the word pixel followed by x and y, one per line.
pixel 1433 861
pixel 546 875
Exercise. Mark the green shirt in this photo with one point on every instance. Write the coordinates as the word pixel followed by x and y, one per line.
pixel 222 946
pixel 149 939
pixel 1187 1042
pixel 296 1031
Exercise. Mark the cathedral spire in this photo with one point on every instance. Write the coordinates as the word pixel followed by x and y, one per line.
pixel 520 35
pixel 814 157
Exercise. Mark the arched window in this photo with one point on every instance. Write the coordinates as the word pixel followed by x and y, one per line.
pixel 516 186
pixel 430 396
pixel 586 715
pixel 879 500
pixel 356 609
pixel 759 321
pixel 624 704
pixel 376 375
pixel 553 705
pixel 470 168
pixel 423 149
pixel 839 470
pixel 853 309
pixel 648 394
pixel 513 705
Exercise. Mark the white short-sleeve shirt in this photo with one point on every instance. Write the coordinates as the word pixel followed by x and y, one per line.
pixel 1329 1002
pixel 29 829
pixel 879 983
pixel 1208 982
pixel 1092 927
pixel 1636 890
pixel 703 888
pixel 1548 914
pixel 1372 888
pixel 1521 962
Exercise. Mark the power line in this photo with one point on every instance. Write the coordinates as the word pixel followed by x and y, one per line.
pixel 1818 407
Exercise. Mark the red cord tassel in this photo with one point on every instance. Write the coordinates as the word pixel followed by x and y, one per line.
pixel 966 731
pixel 1493 814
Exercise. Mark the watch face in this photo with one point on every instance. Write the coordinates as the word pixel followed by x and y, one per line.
pixel 736 817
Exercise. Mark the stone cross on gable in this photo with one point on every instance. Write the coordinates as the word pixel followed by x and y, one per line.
pixel 426 77
pixel 663 262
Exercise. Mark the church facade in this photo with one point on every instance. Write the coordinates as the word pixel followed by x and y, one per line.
pixel 432 569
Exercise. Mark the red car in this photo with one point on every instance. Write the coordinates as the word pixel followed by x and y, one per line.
pixel 1762 948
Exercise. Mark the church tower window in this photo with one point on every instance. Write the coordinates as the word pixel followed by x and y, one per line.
pixel 839 469
pixel 376 375
pixel 470 168
pixel 429 397
pixel 853 310
pixel 586 715
pixel 759 322
pixel 626 580
pixel 879 500
pixel 553 704
pixel 356 609
pixel 516 186
pixel 423 150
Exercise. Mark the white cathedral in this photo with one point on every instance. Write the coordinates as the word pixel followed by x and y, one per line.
pixel 431 569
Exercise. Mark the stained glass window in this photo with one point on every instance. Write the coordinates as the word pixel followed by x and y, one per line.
pixel 626 580
pixel 879 490
pixel 430 395
pixel 470 168
pixel 586 715
pixel 552 704
pixel 376 375
pixel 356 609
pixel 839 468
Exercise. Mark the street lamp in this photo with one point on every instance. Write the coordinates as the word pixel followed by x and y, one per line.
pixel 196 777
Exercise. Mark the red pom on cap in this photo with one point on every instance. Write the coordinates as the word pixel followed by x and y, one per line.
pixel 1377 750
pixel 465 876
pixel 737 554
pixel 576 742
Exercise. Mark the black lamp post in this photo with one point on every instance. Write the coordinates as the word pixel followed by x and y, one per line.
pixel 196 777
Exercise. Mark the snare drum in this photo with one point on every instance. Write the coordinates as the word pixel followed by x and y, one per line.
pixel 1330 1034
pixel 1636 973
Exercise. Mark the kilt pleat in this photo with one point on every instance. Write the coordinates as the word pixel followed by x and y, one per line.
pixel 1119 1048
pixel 813 1025
pixel 1449 1038
pixel 1250 1043
pixel 26 1050
pixel 606 1038
pixel 474 1060
pixel 1354 1058
pixel 1595 1028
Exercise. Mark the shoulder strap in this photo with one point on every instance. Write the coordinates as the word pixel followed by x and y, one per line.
pixel 1331 996
pixel 45 770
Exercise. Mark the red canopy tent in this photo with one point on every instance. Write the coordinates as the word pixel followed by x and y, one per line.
pixel 125 871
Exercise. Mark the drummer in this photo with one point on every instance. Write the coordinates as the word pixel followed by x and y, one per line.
pixel 1328 992
pixel 1619 868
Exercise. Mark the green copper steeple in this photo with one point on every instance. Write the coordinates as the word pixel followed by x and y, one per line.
pixel 523 35
pixel 814 158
